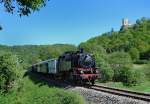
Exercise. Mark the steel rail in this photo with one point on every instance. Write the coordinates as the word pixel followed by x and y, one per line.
pixel 121 92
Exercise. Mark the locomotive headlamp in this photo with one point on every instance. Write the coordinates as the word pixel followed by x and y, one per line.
pixel 97 71
pixel 81 72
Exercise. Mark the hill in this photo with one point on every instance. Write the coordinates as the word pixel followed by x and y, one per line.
pixel 30 54
pixel 133 38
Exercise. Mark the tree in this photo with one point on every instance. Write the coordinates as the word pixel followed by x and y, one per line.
pixel 23 7
pixel 54 51
pixel 117 61
pixel 134 53
pixel 106 73
pixel 1 27
pixel 9 72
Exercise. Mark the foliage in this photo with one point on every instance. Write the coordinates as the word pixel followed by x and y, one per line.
pixel 146 71
pixel 134 53
pixel 118 60
pixel 55 96
pixel 10 72
pixel 134 37
pixel 31 54
pixel 131 77
pixel 36 94
pixel 141 62
pixel 106 73
pixel 146 55
pixel 53 51
pixel 23 7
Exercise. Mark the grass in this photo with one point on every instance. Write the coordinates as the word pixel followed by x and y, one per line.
pixel 143 87
pixel 32 93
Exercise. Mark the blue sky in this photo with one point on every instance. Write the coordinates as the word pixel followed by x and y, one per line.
pixel 69 21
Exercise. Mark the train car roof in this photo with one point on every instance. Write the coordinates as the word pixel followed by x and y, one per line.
pixel 45 61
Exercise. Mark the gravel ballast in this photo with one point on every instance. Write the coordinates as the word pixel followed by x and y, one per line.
pixel 98 97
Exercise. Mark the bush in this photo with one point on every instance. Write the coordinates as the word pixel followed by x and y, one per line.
pixel 141 62
pixel 9 72
pixel 116 76
pixel 117 60
pixel 134 53
pixel 35 94
pixel 146 71
pixel 55 96
pixel 131 77
pixel 106 73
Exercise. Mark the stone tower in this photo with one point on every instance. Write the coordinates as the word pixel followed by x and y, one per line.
pixel 125 22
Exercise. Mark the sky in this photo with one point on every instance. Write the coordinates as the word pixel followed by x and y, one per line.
pixel 69 21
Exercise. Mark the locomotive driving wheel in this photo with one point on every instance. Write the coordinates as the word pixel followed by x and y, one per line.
pixel 92 82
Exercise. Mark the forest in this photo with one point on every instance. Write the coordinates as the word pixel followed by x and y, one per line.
pixel 121 56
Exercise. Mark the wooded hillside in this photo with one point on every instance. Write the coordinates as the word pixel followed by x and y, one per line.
pixel 30 54
pixel 135 38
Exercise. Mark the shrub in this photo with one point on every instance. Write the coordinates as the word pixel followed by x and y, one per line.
pixel 117 60
pixel 35 93
pixel 134 53
pixel 116 76
pixel 9 72
pixel 131 77
pixel 55 96
pixel 146 71
pixel 141 62
pixel 106 73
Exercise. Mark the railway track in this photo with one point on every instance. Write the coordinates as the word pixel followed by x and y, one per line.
pixel 121 92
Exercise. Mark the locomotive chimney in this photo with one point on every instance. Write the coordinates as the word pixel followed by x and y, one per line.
pixel 81 50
